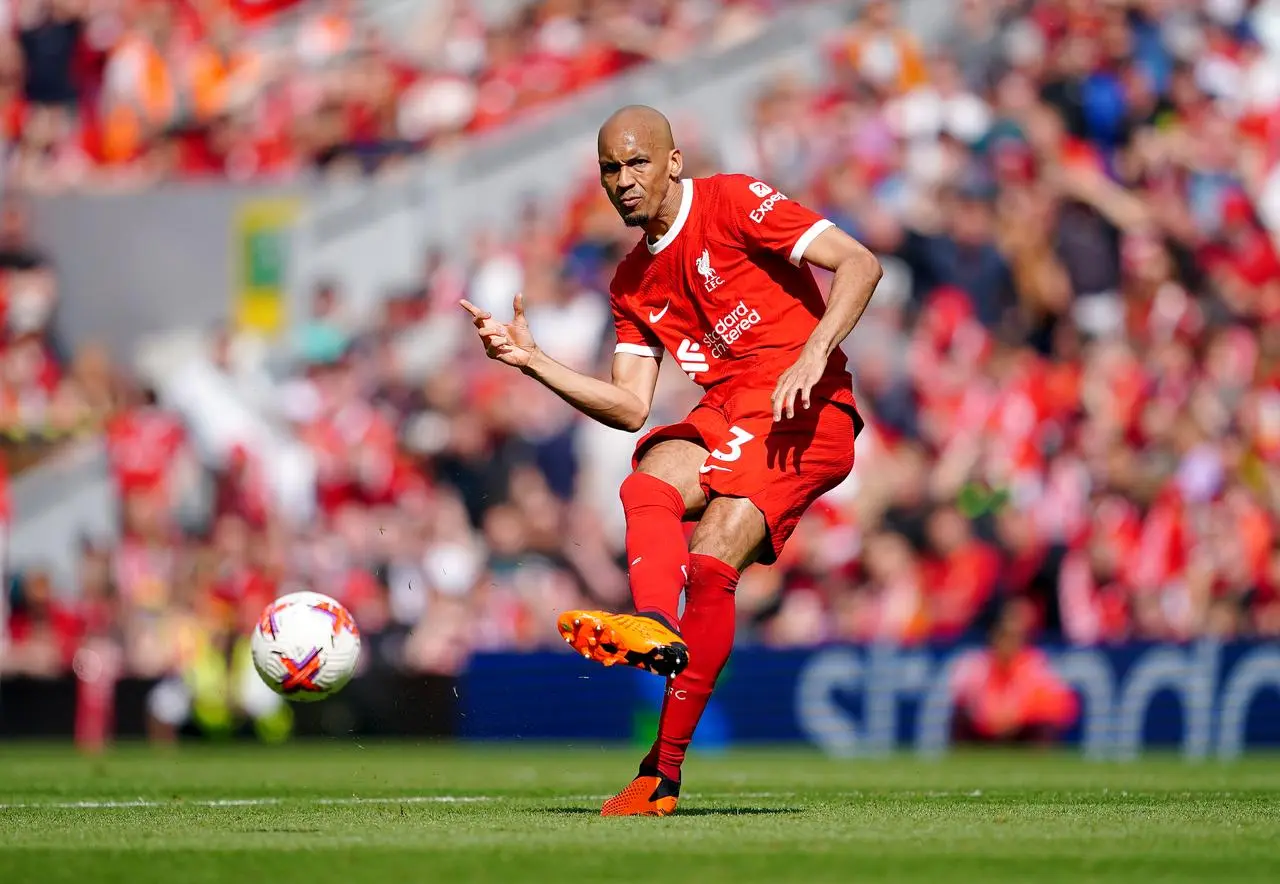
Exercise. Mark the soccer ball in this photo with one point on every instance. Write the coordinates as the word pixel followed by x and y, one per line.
pixel 305 646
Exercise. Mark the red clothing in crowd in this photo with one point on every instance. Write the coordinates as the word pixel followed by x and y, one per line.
pixel 1003 697
pixel 960 585
pixel 355 449
pixel 142 444
pixel 253 11
pixel 242 491
pixel 63 621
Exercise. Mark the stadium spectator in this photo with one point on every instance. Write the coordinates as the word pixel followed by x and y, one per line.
pixel 47 394
pixel 44 632
pixel 49 32
pixel 1007 692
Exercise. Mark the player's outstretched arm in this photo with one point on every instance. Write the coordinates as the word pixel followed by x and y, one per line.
pixel 857 272
pixel 622 403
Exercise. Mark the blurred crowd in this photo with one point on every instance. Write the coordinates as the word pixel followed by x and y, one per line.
pixel 126 93
pixel 1070 376
pixel 46 394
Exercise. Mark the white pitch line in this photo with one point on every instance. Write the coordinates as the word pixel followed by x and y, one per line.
pixel 89 804
pixel 241 802
pixel 410 799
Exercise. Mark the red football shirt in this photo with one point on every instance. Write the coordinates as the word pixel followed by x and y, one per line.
pixel 725 290
pixel 141 444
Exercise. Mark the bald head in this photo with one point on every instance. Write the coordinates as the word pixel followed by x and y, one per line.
pixel 639 163
pixel 640 123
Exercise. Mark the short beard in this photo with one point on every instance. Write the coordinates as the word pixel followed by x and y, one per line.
pixel 637 219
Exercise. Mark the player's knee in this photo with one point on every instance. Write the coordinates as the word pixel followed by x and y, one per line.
pixel 644 490
pixel 646 482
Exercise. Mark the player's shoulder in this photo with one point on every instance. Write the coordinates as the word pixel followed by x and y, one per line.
pixel 731 198
pixel 631 269
pixel 733 186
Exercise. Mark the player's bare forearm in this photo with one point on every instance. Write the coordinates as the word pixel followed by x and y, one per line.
pixel 622 403
pixel 857 272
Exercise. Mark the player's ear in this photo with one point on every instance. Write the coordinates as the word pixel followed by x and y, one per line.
pixel 676 163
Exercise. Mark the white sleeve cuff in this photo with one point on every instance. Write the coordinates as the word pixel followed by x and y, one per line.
pixel 807 238
pixel 639 350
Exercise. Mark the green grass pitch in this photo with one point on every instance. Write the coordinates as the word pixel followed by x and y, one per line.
pixel 314 812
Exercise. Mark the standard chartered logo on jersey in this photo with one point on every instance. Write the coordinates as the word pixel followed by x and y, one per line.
pixel 692 355
pixel 730 327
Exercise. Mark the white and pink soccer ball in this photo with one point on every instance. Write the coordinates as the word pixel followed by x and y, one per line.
pixel 305 646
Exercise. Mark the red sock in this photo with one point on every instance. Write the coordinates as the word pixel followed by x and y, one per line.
pixel 707 628
pixel 656 548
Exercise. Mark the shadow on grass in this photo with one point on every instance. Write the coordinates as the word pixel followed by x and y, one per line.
pixel 692 811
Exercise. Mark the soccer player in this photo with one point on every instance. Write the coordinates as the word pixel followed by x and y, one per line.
pixel 720 282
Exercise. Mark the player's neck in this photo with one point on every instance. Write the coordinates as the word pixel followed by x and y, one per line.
pixel 665 218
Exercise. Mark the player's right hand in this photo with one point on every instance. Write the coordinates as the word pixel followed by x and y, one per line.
pixel 509 342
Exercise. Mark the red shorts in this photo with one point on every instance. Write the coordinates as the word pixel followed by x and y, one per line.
pixel 781 467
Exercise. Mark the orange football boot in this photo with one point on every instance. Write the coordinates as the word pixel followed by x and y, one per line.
pixel 646 795
pixel 638 640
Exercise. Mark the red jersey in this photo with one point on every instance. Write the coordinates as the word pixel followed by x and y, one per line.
pixel 142 443
pixel 725 290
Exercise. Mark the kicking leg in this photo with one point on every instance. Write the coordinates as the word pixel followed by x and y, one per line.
pixel 656 498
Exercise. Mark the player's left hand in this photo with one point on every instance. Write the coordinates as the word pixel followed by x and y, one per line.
pixel 799 379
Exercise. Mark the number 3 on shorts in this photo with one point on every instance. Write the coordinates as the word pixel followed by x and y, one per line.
pixel 740 437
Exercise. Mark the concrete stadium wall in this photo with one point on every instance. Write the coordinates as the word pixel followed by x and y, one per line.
pixel 137 264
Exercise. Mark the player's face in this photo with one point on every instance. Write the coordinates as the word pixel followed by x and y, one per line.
pixel 637 177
